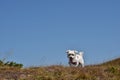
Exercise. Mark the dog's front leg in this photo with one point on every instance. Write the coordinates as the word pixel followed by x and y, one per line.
pixel 77 64
pixel 82 64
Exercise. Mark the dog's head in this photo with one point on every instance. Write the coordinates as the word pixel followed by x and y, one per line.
pixel 71 53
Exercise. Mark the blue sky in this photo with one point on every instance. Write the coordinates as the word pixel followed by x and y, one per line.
pixel 38 32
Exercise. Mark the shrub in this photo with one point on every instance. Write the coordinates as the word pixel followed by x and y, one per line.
pixel 1 63
pixel 10 64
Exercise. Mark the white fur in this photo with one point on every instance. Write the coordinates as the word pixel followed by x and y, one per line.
pixel 75 58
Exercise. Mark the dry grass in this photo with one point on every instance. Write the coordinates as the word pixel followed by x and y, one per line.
pixel 106 71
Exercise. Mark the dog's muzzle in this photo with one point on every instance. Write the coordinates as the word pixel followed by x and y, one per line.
pixel 70 58
pixel 71 61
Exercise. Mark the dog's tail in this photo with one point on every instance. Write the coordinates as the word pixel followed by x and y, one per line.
pixel 81 53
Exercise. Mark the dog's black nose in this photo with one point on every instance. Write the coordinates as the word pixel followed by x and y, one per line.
pixel 70 58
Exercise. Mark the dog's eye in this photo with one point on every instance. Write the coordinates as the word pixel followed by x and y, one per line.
pixel 71 54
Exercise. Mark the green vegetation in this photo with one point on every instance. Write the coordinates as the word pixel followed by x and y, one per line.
pixel 107 71
pixel 10 64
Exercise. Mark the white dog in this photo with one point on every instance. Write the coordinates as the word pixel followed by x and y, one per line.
pixel 75 58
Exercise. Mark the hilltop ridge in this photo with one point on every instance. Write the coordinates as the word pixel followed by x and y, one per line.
pixel 109 70
pixel 114 62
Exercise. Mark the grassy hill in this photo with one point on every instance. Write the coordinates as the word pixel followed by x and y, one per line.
pixel 106 71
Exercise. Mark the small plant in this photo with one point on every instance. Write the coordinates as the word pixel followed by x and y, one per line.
pixel 10 64
pixel 1 63
pixel 14 64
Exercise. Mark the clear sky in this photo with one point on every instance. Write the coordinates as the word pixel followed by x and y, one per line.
pixel 38 32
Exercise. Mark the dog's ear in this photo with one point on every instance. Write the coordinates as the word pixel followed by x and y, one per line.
pixel 67 51
pixel 81 53
pixel 75 51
